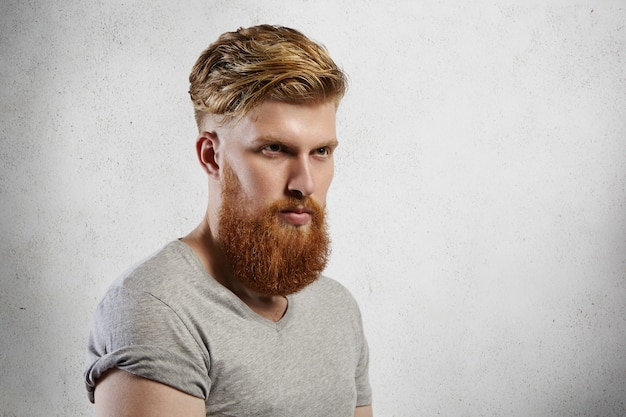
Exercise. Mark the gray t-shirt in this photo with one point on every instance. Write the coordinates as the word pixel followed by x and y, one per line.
pixel 169 321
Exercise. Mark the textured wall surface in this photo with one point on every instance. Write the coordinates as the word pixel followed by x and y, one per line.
pixel 478 212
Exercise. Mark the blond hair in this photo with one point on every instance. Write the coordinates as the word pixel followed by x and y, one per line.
pixel 244 68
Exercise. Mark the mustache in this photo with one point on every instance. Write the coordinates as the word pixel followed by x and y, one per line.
pixel 292 203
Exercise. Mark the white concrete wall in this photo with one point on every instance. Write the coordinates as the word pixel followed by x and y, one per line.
pixel 478 212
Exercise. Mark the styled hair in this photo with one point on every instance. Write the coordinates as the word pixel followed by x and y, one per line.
pixel 242 69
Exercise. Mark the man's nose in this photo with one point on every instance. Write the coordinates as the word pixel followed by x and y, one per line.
pixel 301 180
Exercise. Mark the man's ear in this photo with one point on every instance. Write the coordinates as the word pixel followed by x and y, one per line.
pixel 207 147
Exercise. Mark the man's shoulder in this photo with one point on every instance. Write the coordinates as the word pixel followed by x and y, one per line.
pixel 171 265
pixel 171 278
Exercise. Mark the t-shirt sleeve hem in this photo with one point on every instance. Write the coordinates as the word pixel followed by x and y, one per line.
pixel 152 363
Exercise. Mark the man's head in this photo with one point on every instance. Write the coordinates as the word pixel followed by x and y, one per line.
pixel 265 100
pixel 244 68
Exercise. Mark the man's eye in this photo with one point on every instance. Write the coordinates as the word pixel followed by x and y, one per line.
pixel 274 148
pixel 322 151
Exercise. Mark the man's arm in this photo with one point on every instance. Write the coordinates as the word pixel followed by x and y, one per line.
pixel 121 394
pixel 365 411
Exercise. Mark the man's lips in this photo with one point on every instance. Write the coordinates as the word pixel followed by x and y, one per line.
pixel 297 216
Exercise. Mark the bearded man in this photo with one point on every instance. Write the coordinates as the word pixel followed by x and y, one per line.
pixel 235 319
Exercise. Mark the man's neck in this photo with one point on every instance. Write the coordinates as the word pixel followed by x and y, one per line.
pixel 202 243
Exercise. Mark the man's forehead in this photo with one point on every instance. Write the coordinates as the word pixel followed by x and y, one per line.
pixel 281 120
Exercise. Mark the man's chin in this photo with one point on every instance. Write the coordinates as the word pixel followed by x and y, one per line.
pixel 288 228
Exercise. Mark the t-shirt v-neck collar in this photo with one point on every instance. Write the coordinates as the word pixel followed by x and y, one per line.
pixel 278 325
pixel 243 307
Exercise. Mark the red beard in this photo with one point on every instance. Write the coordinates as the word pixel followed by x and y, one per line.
pixel 267 255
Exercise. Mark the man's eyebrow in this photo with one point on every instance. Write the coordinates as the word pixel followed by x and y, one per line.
pixel 273 140
pixel 332 143
pixel 267 140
